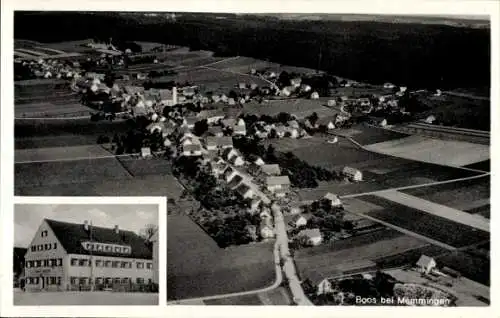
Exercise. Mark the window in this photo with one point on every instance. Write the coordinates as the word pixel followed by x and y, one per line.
pixel 126 250
pixel 39 247
pixel 140 265
pixel 98 263
pixel 44 233
pixel 74 281
pixel 74 262
pixel 117 280
pixel 87 246
pixel 83 281
pixel 150 281
pixel 149 265
pixel 59 281
pixel 118 249
pixel 139 280
pixel 38 263
pixel 108 248
pixel 33 248
pixel 108 281
pixel 99 247
pixel 37 280
pixel 123 265
pixel 59 262
pixel 82 262
pixel 45 262
pixel 28 264
pixel 107 264
pixel 115 264
pixel 129 264
pixel 52 281
pixel 55 246
pixel 99 280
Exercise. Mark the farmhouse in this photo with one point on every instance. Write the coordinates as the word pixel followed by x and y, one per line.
pixel 228 153
pixel 191 150
pixel 313 236
pixel 426 264
pixel 190 121
pixel 65 256
pixel 236 161
pixel 214 143
pixel 212 116
pixel 430 119
pixel 145 152
pixel 229 174
pixel 296 81
pixel 333 199
pixel 274 184
pixel 244 191
pixel 352 174
pixel 314 95
pixel 270 169
pixel 259 161
pixel 215 131
pixel 299 220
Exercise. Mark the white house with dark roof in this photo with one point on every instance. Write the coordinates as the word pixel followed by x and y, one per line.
pixel 69 256
pixel 191 150
pixel 333 199
pixel 352 174
pixel 426 264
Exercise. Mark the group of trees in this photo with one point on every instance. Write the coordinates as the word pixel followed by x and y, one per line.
pixel 221 208
pixel 153 74
pixel 380 286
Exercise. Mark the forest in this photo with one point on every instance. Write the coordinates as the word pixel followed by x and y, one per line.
pixel 414 55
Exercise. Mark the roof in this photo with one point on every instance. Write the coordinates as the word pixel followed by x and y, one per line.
pixel 281 180
pixel 235 181
pixel 205 114
pixel 228 122
pixel 233 159
pixel 271 169
pixel 219 141
pixel 331 196
pixel 214 130
pixel 310 233
pixel 425 260
pixel 239 128
pixel 134 89
pixel 191 120
pixel 70 235
pixel 350 170
pixel 242 188
pixel 191 147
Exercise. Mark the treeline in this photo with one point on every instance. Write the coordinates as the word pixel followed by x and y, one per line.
pixel 415 55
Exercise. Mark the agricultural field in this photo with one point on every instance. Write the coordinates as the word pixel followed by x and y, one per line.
pixel 330 259
pixel 469 264
pixel 144 167
pixel 193 256
pixel 355 92
pixel 243 64
pixel 48 109
pixel 69 46
pixel 66 172
pixel 410 257
pixel 66 140
pixel 461 195
pixel 25 128
pixel 435 227
pixel 151 185
pixel 366 135
pixel 435 209
pixel 482 165
pixel 444 152
pixel 275 297
pixel 483 211
pixel 59 153
pixel 298 107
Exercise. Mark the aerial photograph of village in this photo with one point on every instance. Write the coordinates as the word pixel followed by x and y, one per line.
pixel 306 159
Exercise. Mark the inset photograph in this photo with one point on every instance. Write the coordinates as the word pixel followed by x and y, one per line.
pixel 86 254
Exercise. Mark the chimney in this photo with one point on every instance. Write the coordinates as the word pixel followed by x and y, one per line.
pixel 174 95
pixel 86 225
pixel 117 230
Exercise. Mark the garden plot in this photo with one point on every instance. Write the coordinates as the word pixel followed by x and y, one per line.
pixel 59 153
pixel 444 152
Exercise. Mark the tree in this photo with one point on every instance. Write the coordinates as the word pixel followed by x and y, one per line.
pixel 313 118
pixel 148 231
pixel 284 117
pixel 200 127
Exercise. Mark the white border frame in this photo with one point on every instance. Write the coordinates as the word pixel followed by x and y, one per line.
pixel 394 7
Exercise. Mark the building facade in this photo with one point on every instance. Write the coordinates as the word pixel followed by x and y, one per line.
pixel 69 256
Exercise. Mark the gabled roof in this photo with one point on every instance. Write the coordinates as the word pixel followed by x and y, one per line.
pixel 311 233
pixel 192 147
pixel 229 122
pixel 425 260
pixel 271 169
pixel 71 235
pixel 281 180
pixel 243 188
pixel 210 113
pixel 331 196
pixel 235 181
pixel 219 141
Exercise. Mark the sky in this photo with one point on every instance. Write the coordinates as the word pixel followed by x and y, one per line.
pixel 28 217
